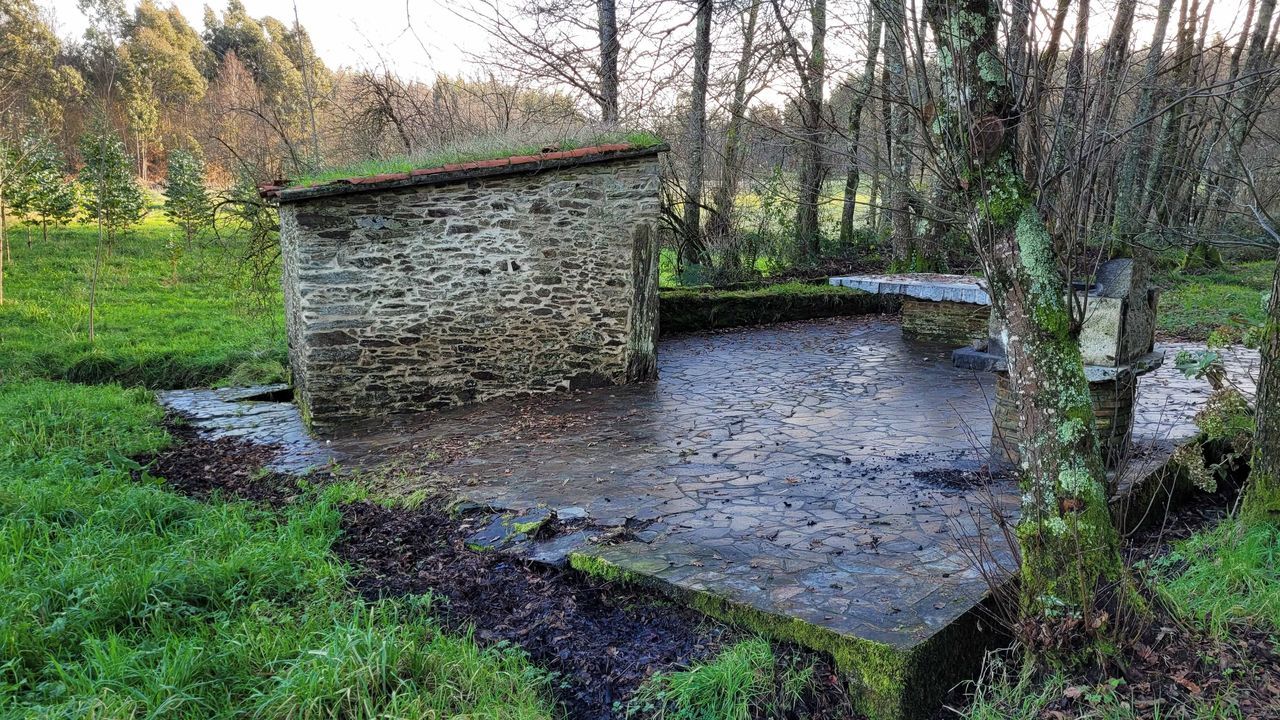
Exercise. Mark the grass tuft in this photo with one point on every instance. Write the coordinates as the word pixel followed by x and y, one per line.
pixel 739 683
pixel 1226 577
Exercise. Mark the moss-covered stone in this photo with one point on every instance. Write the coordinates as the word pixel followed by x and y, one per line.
pixel 887 682
pixel 690 310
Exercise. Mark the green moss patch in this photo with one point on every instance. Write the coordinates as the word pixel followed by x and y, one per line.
pixel 693 309
pixel 474 151
pixel 888 682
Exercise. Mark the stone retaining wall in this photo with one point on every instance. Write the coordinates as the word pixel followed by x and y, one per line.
pixel 528 280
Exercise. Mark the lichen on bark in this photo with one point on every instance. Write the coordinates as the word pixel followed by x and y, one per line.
pixel 1068 542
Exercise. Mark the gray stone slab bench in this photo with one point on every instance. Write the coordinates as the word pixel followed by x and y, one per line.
pixel 937 309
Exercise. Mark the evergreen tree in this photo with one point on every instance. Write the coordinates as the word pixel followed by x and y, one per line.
pixel 46 195
pixel 110 191
pixel 186 198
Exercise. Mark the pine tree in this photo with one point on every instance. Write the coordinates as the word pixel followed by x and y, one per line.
pixel 186 198
pixel 110 191
pixel 46 195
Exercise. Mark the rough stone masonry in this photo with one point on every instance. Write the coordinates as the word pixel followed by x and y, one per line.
pixel 461 284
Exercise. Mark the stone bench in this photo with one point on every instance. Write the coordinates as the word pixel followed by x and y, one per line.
pixel 937 309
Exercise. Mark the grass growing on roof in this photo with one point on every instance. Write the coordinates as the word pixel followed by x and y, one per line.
pixel 475 150
pixel 208 327
pixel 120 598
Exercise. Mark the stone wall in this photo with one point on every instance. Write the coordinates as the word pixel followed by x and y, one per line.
pixel 420 296
pixel 944 322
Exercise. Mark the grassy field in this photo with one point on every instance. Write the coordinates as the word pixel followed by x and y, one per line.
pixel 1194 306
pixel 206 328
pixel 120 598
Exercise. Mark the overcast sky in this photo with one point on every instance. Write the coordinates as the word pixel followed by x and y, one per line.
pixel 432 40
pixel 343 32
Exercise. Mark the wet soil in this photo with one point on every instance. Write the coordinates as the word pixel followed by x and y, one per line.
pixel 602 639
pixel 202 467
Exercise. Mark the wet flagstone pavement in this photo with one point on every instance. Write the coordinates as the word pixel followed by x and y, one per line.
pixel 823 470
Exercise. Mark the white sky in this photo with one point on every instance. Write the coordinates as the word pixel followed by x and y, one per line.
pixel 343 32
pixel 433 40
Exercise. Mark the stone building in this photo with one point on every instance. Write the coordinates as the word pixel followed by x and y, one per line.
pixel 463 283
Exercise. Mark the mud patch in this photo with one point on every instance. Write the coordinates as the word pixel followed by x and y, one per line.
pixel 203 467
pixel 603 639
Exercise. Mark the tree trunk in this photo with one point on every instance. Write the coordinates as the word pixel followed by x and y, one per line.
pixel 1262 496
pixel 721 222
pixel 808 232
pixel 857 102
pixel 1132 182
pixel 607 12
pixel 695 248
pixel 1069 544
pixel 899 134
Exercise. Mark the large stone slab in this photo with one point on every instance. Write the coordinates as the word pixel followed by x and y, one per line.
pixel 821 482
pixel 922 286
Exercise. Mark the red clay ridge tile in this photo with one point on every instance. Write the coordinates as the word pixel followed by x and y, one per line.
pixel 558 155
pixel 501 162
pixel 614 147
pixel 426 171
pixel 582 152
pixel 453 167
pixel 523 159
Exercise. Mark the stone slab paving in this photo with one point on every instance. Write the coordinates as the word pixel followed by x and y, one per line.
pixel 826 471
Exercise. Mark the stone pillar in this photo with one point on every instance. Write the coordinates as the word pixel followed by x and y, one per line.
pixel 1113 402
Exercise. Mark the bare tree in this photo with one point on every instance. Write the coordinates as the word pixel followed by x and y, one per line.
pixel 693 245
pixel 811 66
pixel 860 93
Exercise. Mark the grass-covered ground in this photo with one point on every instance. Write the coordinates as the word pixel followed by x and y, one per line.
pixel 122 599
pixel 208 327
pixel 1194 306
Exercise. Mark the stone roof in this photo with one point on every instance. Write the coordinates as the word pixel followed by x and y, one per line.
pixel 456 172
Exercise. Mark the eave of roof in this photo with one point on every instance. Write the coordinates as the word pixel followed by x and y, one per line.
pixel 459 172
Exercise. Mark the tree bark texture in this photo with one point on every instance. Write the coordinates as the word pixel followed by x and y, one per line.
pixel 607 13
pixel 857 102
pixel 695 250
pixel 1068 542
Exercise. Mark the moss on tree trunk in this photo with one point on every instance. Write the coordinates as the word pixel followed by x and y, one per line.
pixel 1068 542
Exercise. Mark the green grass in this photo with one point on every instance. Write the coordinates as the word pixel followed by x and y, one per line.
pixel 1195 306
pixel 792 289
pixel 120 598
pixel 742 681
pixel 206 328
pixel 1226 577
pixel 1015 692
pixel 475 150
